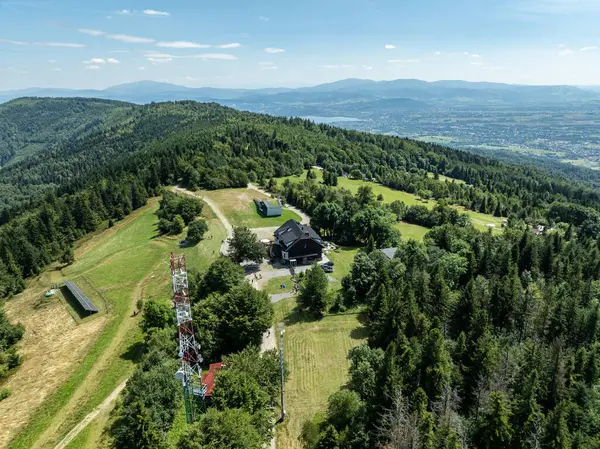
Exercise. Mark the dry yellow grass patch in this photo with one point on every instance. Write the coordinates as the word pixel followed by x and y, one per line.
pixel 51 347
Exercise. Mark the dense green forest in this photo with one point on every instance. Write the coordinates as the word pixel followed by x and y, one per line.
pixel 476 340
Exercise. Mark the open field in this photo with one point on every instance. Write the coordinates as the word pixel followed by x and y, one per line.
pixel 82 364
pixel 317 356
pixel 389 195
pixel 411 231
pixel 480 221
pixel 239 208
pixel 342 258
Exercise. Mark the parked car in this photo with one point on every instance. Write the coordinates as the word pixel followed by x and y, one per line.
pixel 327 268
pixel 328 264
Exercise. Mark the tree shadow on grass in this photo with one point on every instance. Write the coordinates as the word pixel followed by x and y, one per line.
pixel 298 315
pixel 134 352
pixel 360 333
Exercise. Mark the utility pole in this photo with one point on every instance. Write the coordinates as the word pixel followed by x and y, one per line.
pixel 281 369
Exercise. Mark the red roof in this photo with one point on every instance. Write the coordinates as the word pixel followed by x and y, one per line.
pixel 208 379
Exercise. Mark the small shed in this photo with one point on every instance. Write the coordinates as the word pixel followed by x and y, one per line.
pixel 269 208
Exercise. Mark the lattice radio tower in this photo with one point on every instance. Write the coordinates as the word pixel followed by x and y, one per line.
pixel 190 371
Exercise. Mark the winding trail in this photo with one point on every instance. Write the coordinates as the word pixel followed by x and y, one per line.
pixel 105 405
pixel 218 213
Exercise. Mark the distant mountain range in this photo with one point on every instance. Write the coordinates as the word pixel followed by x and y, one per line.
pixel 349 96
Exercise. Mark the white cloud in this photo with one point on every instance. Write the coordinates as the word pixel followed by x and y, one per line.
pixel 91 32
pixel 153 12
pixel 113 61
pixel 57 69
pixel 95 61
pixel 565 52
pixel 367 67
pixel 402 61
pixel 225 56
pixel 437 53
pixel 155 61
pixel 335 66
pixel 477 63
pixel 43 44
pixel 274 50
pixel 157 58
pixel 266 63
pixel 270 67
pixel 588 48
pixel 232 45
pixel 475 55
pixel 390 47
pixel 141 68
pixel 13 70
pixel 124 12
pixel 129 39
pixel 561 45
pixel 264 19
pixel 190 78
pixel 92 67
pixel 117 37
pixel 181 44
pixel 51 61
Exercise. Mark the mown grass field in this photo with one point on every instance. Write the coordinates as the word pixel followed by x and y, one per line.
pixel 480 221
pixel 317 356
pixel 411 231
pixel 123 264
pixel 239 208
pixel 342 258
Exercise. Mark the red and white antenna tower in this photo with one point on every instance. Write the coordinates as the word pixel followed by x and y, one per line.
pixel 190 371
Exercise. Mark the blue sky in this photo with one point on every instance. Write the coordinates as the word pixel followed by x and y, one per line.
pixel 259 43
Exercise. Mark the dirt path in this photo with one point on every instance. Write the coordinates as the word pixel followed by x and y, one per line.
pixel 305 218
pixel 105 405
pixel 218 213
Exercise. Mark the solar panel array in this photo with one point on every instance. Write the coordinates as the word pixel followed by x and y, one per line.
pixel 81 298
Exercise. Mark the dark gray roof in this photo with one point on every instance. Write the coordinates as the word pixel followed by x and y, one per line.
pixel 389 252
pixel 81 298
pixel 291 232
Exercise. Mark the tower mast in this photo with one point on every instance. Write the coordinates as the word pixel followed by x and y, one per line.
pixel 190 370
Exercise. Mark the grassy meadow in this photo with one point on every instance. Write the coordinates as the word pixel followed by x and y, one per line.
pixel 121 264
pixel 239 208
pixel 316 352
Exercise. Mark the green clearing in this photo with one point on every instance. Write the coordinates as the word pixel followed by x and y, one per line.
pixel 125 263
pixel 317 355
pixel 480 221
pixel 411 231
pixel 239 208
pixel 274 285
pixel 389 195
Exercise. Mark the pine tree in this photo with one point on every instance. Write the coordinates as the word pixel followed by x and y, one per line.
pixel 496 428
pixel 435 365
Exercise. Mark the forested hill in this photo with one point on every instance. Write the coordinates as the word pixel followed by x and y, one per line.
pixel 105 167
pixel 32 125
